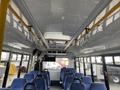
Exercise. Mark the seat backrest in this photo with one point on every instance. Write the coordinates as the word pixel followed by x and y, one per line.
pixel 45 76
pixel 76 85
pixel 64 71
pixel 18 84
pixel 87 81
pixel 98 86
pixel 67 74
pixel 30 86
pixel 29 77
pixel 48 76
pixel 78 75
pixel 62 74
pixel 68 81
pixel 35 73
pixel 40 83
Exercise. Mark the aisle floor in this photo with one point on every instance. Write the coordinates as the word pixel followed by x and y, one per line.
pixel 55 88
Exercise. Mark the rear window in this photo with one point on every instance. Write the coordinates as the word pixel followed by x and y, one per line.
pixel 58 64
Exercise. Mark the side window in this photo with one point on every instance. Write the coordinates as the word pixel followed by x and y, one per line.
pixel 4 56
pixel 117 60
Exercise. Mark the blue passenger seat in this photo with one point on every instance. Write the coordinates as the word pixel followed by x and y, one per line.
pixel 45 76
pixel 29 77
pixel 98 86
pixel 65 76
pixel 40 83
pixel 68 81
pixel 76 85
pixel 78 75
pixel 48 74
pixel 30 86
pixel 87 81
pixel 18 84
pixel 35 73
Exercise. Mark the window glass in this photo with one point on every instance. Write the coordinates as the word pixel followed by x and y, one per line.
pixel 117 15
pixel 27 57
pixel 14 24
pixel 100 28
pixel 109 60
pixel 14 57
pixel 20 28
pixel 98 73
pixel 24 57
pixel 87 67
pixel 24 64
pixel 8 18
pixel 81 60
pixel 114 79
pixel 88 60
pixel 77 65
pixel 81 65
pixel 5 56
pixel 98 59
pixel 19 57
pixel 109 20
pixel 85 60
pixel 93 60
pixel 117 60
pixel 94 31
pixel 58 64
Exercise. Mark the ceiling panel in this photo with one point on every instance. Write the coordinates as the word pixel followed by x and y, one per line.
pixel 60 15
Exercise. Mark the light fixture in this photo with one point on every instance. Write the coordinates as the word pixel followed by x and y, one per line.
pixel 17 45
pixel 62 17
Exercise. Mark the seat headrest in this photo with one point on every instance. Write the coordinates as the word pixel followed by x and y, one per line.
pixel 39 76
pixel 29 76
pixel 79 75
pixel 76 80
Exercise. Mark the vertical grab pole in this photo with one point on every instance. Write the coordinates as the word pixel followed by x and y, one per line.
pixel 75 63
pixel 113 60
pixel 84 66
pixel 92 72
pixel 3 12
pixel 19 71
pixel 7 71
pixel 79 63
pixel 105 73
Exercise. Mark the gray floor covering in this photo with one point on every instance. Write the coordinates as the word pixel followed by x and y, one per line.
pixel 55 88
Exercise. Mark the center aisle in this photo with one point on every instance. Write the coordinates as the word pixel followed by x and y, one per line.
pixel 55 88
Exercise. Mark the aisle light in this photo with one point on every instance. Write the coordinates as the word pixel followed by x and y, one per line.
pixel 17 45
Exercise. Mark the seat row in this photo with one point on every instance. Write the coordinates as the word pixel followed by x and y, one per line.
pixel 71 80
pixel 32 81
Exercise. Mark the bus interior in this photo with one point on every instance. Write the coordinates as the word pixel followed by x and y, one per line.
pixel 59 44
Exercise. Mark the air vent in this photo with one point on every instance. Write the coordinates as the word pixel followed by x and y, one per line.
pixel 57 52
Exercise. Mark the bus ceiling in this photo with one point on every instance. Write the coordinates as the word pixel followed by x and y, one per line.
pixel 59 16
pixel 55 25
